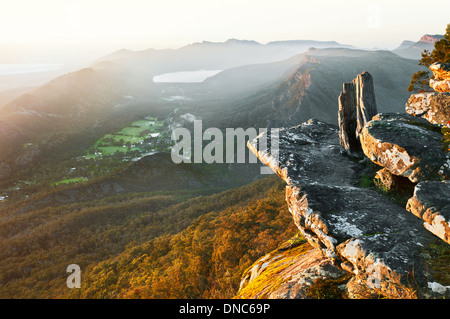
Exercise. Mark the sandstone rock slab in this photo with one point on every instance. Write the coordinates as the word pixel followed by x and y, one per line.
pixel 432 106
pixel 407 146
pixel 441 77
pixel 431 202
pixel 355 226
pixel 295 271
pixel 441 71
pixel 440 86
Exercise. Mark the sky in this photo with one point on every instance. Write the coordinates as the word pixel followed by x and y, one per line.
pixel 48 30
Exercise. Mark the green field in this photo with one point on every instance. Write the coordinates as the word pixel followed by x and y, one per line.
pixel 128 139
pixel 108 150
pixel 141 138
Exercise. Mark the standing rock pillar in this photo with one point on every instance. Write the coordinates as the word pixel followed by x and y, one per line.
pixel 357 106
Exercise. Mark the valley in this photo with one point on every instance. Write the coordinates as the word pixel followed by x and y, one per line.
pixel 86 175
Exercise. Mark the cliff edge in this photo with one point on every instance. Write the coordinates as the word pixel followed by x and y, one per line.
pixel 359 241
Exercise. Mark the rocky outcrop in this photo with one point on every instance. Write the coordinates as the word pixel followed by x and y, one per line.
pixel 407 146
pixel 357 106
pixel 431 202
pixel 296 269
pixel 376 241
pixel 431 38
pixel 380 245
pixel 441 71
pixel 440 86
pixel 414 148
pixel 441 77
pixel 432 106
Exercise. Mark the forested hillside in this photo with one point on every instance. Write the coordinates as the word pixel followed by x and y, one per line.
pixel 144 245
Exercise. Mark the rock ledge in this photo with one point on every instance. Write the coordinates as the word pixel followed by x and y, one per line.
pixel 360 230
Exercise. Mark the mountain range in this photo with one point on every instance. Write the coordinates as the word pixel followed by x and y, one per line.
pixel 211 55
pixel 413 50
pixel 85 158
pixel 275 84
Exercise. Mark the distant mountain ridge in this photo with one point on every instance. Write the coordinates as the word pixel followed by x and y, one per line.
pixel 413 50
pixel 312 88
pixel 261 85
pixel 210 55
pixel 431 38
pixel 405 44
pixel 284 92
pixel 230 42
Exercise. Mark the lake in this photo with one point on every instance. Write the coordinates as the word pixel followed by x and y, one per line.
pixel 185 76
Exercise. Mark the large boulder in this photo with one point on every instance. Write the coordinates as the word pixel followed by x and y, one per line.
pixel 296 269
pixel 440 86
pixel 431 202
pixel 365 233
pixel 441 71
pixel 432 106
pixel 441 77
pixel 407 146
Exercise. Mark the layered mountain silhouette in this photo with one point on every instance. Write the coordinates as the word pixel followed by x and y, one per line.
pixel 307 85
pixel 412 50
pixel 210 55
pixel 275 84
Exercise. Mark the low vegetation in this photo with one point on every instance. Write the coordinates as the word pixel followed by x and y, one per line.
pixel 144 245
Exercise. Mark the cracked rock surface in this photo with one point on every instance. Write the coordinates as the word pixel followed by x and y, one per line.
pixel 432 106
pixel 407 146
pixel 378 241
pixel 431 202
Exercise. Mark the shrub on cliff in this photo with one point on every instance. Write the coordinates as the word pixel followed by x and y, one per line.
pixel 440 53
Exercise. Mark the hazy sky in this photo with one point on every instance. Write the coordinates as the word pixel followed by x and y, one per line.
pixel 101 26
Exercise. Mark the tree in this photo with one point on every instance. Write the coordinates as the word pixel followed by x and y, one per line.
pixel 440 53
